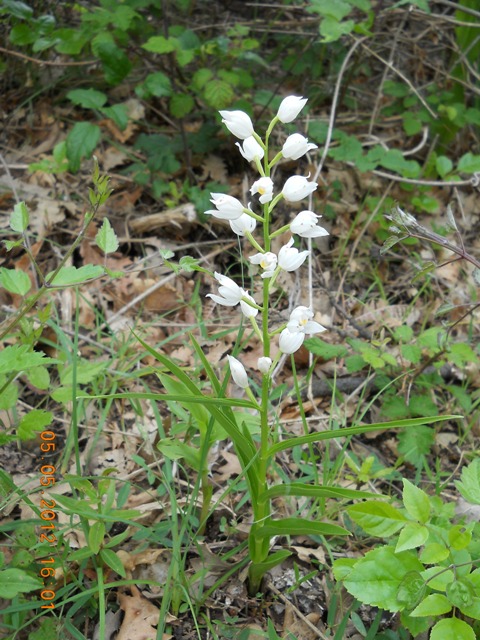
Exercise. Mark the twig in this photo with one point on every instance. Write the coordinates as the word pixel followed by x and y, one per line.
pixel 50 63
pixel 379 95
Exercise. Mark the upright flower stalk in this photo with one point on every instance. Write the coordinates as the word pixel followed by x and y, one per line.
pixel 291 334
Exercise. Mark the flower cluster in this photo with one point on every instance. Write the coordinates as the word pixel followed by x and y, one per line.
pixel 243 222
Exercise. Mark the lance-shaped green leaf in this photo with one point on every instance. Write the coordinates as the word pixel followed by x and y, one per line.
pixel 314 491
pixel 84 509
pixel 257 570
pixel 15 581
pixel 296 527
pixel 353 431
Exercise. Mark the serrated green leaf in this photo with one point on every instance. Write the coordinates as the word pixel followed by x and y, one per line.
pixel 460 593
pixel 377 518
pixel 469 163
pixel 376 578
pixel 87 98
pixel 436 604
pixel 69 276
pixel 443 166
pixel 19 217
pixel 218 93
pixel 81 142
pixel 158 84
pixel 433 553
pixel 416 501
pixel 39 377
pixel 160 44
pixel 412 536
pixel 34 421
pixel 452 629
pixel 15 581
pixel 411 353
pixel 459 537
pixel 15 358
pixel 325 350
pixel 414 444
pixel 181 104
pixel 106 237
pixel 411 590
pixel 469 483
pixel 15 281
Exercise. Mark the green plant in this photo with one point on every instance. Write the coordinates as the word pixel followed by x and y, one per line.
pixel 428 569
pixel 256 454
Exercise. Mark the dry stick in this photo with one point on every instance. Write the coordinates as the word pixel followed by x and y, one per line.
pixel 386 69
pixel 305 620
pixel 402 76
pixel 157 285
pixel 50 63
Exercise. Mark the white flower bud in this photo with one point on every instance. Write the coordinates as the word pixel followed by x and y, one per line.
pixel 289 108
pixel 305 225
pixel 289 258
pixel 242 224
pixel 238 123
pixel 289 342
pixel 228 207
pixel 264 364
pixel 301 322
pixel 297 187
pixel 296 146
pixel 238 372
pixel 263 186
pixel 247 309
pixel 251 149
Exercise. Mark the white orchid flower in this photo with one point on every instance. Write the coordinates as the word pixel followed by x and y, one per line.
pixel 230 294
pixel 301 322
pixel 305 225
pixel 268 262
pixel 297 187
pixel 251 149
pixel 289 108
pixel 263 186
pixel 296 146
pixel 289 258
pixel 228 207
pixel 238 372
pixel 238 123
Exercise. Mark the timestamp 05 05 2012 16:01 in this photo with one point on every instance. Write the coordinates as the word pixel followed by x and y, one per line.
pixel 48 515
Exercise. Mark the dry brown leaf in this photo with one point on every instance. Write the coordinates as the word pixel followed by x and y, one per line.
pixel 141 617
pixel 299 627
